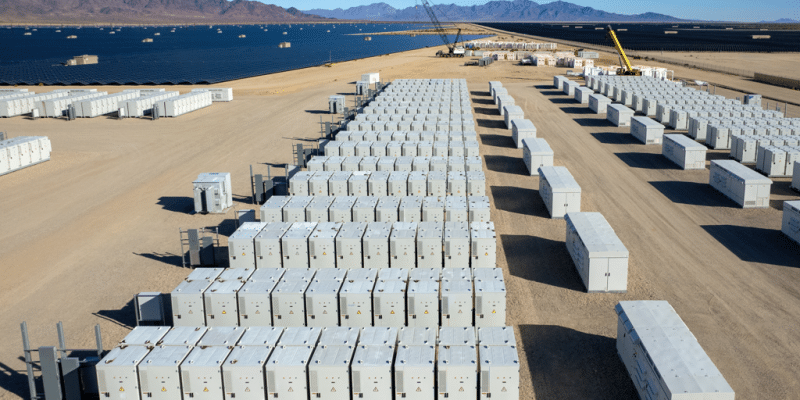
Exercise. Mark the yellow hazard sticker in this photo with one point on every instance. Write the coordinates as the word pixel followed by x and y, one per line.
pixel 163 389
pixel 392 312
pixel 223 311
pixel 426 311
pixel 205 389
pixel 358 312
pixel 121 389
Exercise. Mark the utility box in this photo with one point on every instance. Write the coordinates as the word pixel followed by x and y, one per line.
pixel 457 303
pixel 349 245
pixel 471 148
pixel 355 303
pixel 201 372
pixel 255 303
pixel 437 184
pixel 433 209
pixel 337 184
pixel 684 152
pixel 117 376
pixel 409 149
pixel 479 209
pixel 439 163
pixel 499 373
pixel 746 187
pixel 456 164
pixel 402 245
pixel 441 148
pixel 357 185
pixel 318 184
pixel 295 208
pixel 339 336
pixel 418 183
pixel 363 149
pixel 378 149
pixel 455 149
pixel 318 210
pixel 404 164
pixel 287 372
pixel 483 244
pixel 414 377
pixel 559 191
pixel 364 209
pixel 511 113
pixel 418 336
pixel 598 103
pixel 188 308
pixel 473 164
pixel 599 256
pixel 294 245
pixel 356 274
pixel 329 372
pixel 260 336
pixel 496 336
pixel 243 372
pixel 397 184
pixel 423 304
pixel 410 209
pixel 221 336
pixel 456 209
pixel 430 237
pixel 268 245
pixel 298 184
pixel 322 245
pixel 266 275
pixel 220 303
pixel 490 303
pixel 322 303
pixel 389 303
pixel 341 209
pixel 159 372
pixel 456 183
pixel 376 245
pixel 183 336
pixel 368 163
pixel 378 336
pixel 377 185
pixel 392 274
pixel 372 372
pixel 790 225
pixel 619 115
pixel 476 183
pixel 536 153
pixel 457 376
pixel 646 130
pixel 300 336
pixel 387 209
pixel 241 248
pixel 662 355
pixel 336 104
pixel 212 193
pixel 147 336
pixel 457 336
pixel 456 240
pixel 288 303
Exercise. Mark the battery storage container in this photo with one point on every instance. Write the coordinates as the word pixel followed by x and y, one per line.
pixel 430 236
pixel 437 184
pixel 295 209
pixel 646 130
pixel 349 245
pixel 339 336
pixel 536 153
pixel 240 245
pixel 483 244
pixel 266 275
pixel 457 376
pixel 499 369
pixel 329 372
pixel 370 274
pixel 414 377
pixel 684 152
pixel 790 225
pixel 337 184
pixel 183 336
pixel 372 372
pixel 410 209
pixel 341 209
pixel 496 336
pixel 456 183
pixel 417 336
pixel 746 187
pixel 376 245
pixel 294 245
pixel 476 183
pixel 357 184
pixel 389 303
pixel 243 372
pixel 490 303
pixel 479 209
pixel 473 164
pixel 397 183
pixel 201 372
pixel 188 308
pixel 599 256
pixel 387 209
pixel 386 163
pixel 159 372
pixel 300 336
pixel 255 303
pixel 619 115
pixel 322 303
pixel 355 303
pixel 433 209
pixel 288 303
pixel 402 245
pixel 272 209
pixel 457 303
pixel 287 372
pixel 559 191
pixel 117 372
pixel 223 336
pixel 439 163
pixel 148 336
pixel 322 245
pixel 268 252
pixel 298 184
pixel 318 184
pixel 418 183
pixel 456 240
pixel 377 185
pixel 423 303
pixel 364 209
pixel 456 209
pixel 318 209
pixel 221 304
pixel 368 163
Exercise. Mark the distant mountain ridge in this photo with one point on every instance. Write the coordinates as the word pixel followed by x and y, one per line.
pixel 782 21
pixel 498 10
pixel 147 11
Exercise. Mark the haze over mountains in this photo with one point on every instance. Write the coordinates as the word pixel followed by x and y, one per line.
pixel 147 11
pixel 515 10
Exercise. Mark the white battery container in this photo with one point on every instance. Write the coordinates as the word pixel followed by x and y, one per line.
pixel 159 373
pixel 318 184
pixel 387 209
pixel 376 245
pixel 473 164
pixel 117 376
pixel 441 148
pixel 372 372
pixel 337 184
pixel 439 163
pixel 255 303
pixel 476 183
pixel 183 336
pixel 368 163
pixel 377 185
pixel 341 209
pixel 188 308
pixel 201 372
pixel 389 303
pixel 456 183
pixel 329 372
pixel 334 163
pixel 300 336
pixel 349 245
pixel 288 303
pixel 490 303
pixel 598 103
pixel 684 152
pixel 369 274
pixel 457 336
pixel 410 209
pixel 456 164
pixel 479 209
pixel 402 245
pixel 746 187
pixel 433 209
pixel 418 336
pixel 496 336
pixel 318 209
pixel 790 225
pixel 619 115
pixel 397 184
pixel 646 130
pixel 457 368
pixel 536 153
pixel 357 184
pixel 220 303
pixel 390 274
pixel 418 183
pixel 456 209
pixel 272 209
pixel 483 244
pixel 414 377
pixel 423 304
pixel 243 372
pixel 559 191
pixel 404 164
pixel 437 183
pixel 241 250
pixel 499 369
pixel 287 372
pixel 482 274
pixel 266 275
pixel 355 303
pixel 148 336
pixel 268 245
pixel 457 303
pixel 456 241
pixel 298 184
pixel 430 236
pixel 599 256
pixel 322 303
pixel 295 209
pixel 222 336
pixel 364 209
pixel 294 245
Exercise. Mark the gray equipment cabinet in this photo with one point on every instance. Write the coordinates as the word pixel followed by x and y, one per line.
pixel 322 245
pixel 499 369
pixel 318 209
pixel 457 376
pixel 372 372
pixel 376 245
pixel 188 308
pixel 295 208
pixel 599 256
pixel 364 209
pixel 241 250
pixel 287 372
pixel 339 336
pixel 243 372
pixel 414 336
pixel 159 373
pixel 559 191
pixel 349 245
pixel 389 303
pixel 496 336
pixel 410 209
pixel 183 336
pixel 483 244
pixel 433 209
pixel 221 304
pixel 414 377
pixel 288 303
pixel 322 303
pixel 117 376
pixel 402 245
pixel 294 245
pixel 341 209
pixel 268 245
pixel 456 244
pixel 255 303
pixel 457 303
pixel 201 372
pixel 663 357
pixel 355 303
pixel 225 336
pixel 272 210
pixel 329 372
pixel 790 225
pixel 261 336
pixel 429 245
pixel 423 304
pixel 490 303
pixel 212 192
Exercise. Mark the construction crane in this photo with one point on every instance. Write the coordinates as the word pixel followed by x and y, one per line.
pixel 453 51
pixel 625 64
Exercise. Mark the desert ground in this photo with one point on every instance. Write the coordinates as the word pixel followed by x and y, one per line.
pixel 98 223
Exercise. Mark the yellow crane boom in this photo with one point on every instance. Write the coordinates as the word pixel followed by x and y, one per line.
pixel 626 69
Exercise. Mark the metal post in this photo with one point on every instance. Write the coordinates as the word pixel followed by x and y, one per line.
pixel 99 339
pixel 51 376
pixel 252 185
pixel 61 342
pixel 26 349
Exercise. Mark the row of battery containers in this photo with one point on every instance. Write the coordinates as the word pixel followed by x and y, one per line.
pixel 57 107
pixel 698 127
pixel 385 183
pixel 719 135
pixel 469 148
pixel 747 188
pixel 776 156
pixel 508 109
pixel 186 103
pixel 791 219
pixel 444 124
pixel 303 363
pixel 663 357
pixel 356 245
pixel 396 106
pixel 13 104
pixel 598 254
pixel 421 297
pixel 389 163
pixel 23 151
pixel 405 136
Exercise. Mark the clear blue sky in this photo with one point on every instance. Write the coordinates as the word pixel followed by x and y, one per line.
pixel 732 10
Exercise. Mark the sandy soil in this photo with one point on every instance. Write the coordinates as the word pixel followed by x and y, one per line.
pixel 781 64
pixel 86 231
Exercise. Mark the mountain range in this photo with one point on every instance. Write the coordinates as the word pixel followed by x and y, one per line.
pixel 147 11
pixel 514 10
